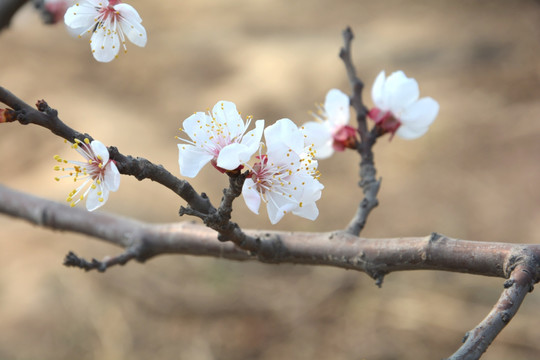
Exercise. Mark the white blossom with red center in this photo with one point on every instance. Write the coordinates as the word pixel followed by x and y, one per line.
pixel 397 107
pixel 330 132
pixel 218 137
pixel 110 23
pixel 286 177
pixel 98 174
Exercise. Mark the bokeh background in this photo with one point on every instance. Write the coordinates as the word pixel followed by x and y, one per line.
pixel 474 176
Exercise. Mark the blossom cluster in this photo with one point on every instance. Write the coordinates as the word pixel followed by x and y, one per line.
pixel 397 111
pixel 285 178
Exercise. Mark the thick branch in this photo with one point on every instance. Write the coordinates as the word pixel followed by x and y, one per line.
pixel 376 257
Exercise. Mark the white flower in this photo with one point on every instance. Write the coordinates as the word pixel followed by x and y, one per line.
pixel 286 177
pixel 397 107
pixel 110 22
pixel 219 137
pixel 98 173
pixel 330 130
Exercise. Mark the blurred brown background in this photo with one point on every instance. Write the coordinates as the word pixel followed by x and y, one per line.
pixel 474 176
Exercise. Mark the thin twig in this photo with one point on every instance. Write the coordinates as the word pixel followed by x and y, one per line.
pixel 517 287
pixel 368 182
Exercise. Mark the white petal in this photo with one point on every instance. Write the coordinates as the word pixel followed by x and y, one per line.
pixel 420 114
pixel 377 91
pixel 318 136
pixel 105 43
pixel 226 114
pixel 252 139
pixel 80 16
pixel 337 108
pixel 307 211
pixel 251 196
pixel 92 199
pixel 410 133
pixel 192 159
pixel 284 133
pixel 278 206
pixel 196 127
pixel 130 23
pixel 232 156
pixel 401 93
pixel 112 177
pixel 100 150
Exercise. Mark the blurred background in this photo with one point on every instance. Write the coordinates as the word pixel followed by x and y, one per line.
pixel 474 176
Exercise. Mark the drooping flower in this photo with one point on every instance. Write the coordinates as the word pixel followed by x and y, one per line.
pixel 110 22
pixel 98 174
pixel 286 177
pixel 397 107
pixel 218 137
pixel 330 131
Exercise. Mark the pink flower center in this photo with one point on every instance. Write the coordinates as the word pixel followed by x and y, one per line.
pixel 345 137
pixel 260 174
pixel 385 121
pixel 109 11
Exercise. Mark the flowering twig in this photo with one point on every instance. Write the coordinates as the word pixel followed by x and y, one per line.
pixel 140 168
pixel 368 182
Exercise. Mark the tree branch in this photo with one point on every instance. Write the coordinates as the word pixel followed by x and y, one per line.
pixel 8 8
pixel 368 182
pixel 521 281
pixel 376 257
